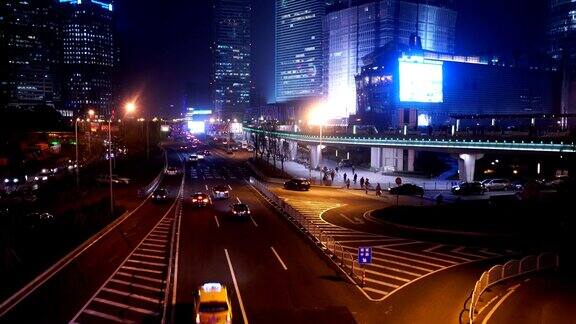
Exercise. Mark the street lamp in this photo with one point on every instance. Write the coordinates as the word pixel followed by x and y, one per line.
pixel 77 164
pixel 317 117
pixel 130 107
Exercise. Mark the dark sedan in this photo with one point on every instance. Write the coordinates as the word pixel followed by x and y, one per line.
pixel 407 189
pixel 297 184
pixel 468 188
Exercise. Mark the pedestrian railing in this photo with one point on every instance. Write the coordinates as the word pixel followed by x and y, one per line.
pixel 509 270
pixel 336 251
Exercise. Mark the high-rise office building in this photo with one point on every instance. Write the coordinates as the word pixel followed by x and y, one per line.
pixel 28 54
pixel 562 29
pixel 232 46
pixel 89 56
pixel 354 29
pixel 299 49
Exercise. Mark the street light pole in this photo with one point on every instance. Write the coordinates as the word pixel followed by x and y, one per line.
pixel 77 164
pixel 110 165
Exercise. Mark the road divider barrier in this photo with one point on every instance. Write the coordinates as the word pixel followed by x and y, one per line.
pixel 507 271
pixel 334 250
pixel 146 191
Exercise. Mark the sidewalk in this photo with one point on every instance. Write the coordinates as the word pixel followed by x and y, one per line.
pixel 297 170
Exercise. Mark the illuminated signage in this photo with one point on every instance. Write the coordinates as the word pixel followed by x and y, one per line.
pixel 197 127
pixel 421 80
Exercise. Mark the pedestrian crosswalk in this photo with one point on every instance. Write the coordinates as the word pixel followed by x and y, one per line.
pixel 135 292
pixel 219 173
pixel 396 262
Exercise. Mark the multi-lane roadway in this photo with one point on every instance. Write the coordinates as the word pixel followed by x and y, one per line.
pixel 149 266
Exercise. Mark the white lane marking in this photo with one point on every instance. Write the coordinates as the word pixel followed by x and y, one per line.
pixel 485 251
pixel 131 295
pixel 363 241
pixel 414 274
pixel 511 290
pixel 460 249
pixel 434 248
pixel 238 200
pixel 376 291
pixel 141 270
pixel 217 222
pixel 126 283
pixel 382 283
pixel 149 256
pixel 206 187
pixel 253 221
pixel 126 274
pixel 106 316
pixel 453 256
pixel 124 306
pixel 382 274
pixel 279 259
pixel 156 264
pixel 154 245
pixel 157 240
pixel 354 220
pixel 408 259
pixel 421 255
pixel 236 287
pixel 229 187
pixel 151 250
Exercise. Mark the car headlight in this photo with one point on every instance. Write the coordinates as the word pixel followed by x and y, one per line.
pixel 197 318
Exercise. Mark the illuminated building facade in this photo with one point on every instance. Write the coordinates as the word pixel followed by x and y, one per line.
pixel 401 86
pixel 354 29
pixel 89 56
pixel 232 60
pixel 299 49
pixel 28 53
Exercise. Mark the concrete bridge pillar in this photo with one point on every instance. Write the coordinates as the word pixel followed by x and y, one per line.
pixel 315 155
pixel 467 166
pixel 293 150
pixel 376 158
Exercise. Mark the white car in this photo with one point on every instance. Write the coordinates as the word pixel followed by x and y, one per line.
pixel 172 171
pixel 115 179
pixel 221 192
pixel 496 184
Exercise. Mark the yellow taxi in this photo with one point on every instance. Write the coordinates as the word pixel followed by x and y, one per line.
pixel 213 305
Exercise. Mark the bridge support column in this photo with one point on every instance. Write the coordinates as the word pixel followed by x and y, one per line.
pixel 315 156
pixel 467 166
pixel 392 160
pixel 376 159
pixel 411 155
pixel 293 150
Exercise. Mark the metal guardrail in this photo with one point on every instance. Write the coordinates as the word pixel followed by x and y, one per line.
pixel 337 252
pixel 427 143
pixel 509 270
pixel 144 192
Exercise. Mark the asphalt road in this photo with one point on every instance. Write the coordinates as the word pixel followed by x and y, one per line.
pixel 281 278
pixel 59 298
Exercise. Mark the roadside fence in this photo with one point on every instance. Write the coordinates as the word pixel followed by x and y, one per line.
pixel 342 256
pixel 509 270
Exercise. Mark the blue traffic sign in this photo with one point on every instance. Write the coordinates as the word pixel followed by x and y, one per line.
pixel 364 255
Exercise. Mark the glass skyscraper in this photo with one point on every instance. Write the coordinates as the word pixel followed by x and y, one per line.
pixel 354 29
pixel 299 49
pixel 232 58
pixel 89 56
pixel 562 29
pixel 28 53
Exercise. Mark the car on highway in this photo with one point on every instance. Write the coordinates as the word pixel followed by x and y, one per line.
pixel 407 189
pixel 297 184
pixel 105 179
pixel 193 158
pixel 39 220
pixel 239 210
pixel 250 149
pixel 213 304
pixel 200 199
pixel 221 192
pixel 207 153
pixel 496 184
pixel 468 188
pixel 160 195
pixel 172 171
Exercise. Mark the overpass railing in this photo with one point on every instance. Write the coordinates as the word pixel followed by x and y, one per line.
pixel 507 271
pixel 344 257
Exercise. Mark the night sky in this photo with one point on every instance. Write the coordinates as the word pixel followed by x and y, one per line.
pixel 165 48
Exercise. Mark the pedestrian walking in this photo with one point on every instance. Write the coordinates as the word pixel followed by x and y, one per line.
pixel 345 176
pixel 367 183
pixel 337 169
pixel 332 175
pixel 362 182
pixel 355 178
pixel 348 184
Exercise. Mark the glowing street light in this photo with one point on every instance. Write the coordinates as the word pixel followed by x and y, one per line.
pixel 130 107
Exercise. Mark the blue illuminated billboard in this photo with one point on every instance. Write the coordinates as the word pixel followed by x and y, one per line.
pixel 421 80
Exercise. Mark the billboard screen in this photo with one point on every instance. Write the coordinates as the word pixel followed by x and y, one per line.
pixel 421 81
